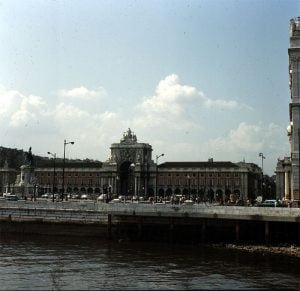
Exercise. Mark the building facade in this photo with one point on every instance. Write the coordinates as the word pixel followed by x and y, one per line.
pixel 7 178
pixel 287 170
pixel 131 171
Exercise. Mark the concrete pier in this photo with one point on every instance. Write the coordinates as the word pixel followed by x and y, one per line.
pixel 142 221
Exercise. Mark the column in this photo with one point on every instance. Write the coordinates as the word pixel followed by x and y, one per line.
pixel 135 194
pixel 286 185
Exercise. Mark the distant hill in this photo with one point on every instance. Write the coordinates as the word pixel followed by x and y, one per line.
pixel 16 158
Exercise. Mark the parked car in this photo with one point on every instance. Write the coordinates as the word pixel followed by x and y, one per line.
pixel 116 200
pixel 269 203
pixel 46 195
pixel 11 197
pixel 75 196
pixel 188 202
pixel 84 197
pixel 102 198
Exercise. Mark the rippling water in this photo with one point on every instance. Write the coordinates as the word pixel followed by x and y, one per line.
pixel 39 263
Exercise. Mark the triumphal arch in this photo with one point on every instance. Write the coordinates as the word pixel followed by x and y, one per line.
pixel 130 166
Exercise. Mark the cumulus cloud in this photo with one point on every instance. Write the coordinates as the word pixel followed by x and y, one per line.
pixel 223 104
pixel 170 97
pixel 245 137
pixel 251 138
pixel 21 117
pixel 83 93
pixel 177 106
pixel 8 99
pixel 247 141
pixel 173 98
pixel 17 109
pixel 64 112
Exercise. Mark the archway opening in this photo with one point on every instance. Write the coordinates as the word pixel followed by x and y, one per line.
pixel 127 179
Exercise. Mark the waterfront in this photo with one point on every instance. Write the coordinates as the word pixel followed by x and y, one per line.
pixel 57 263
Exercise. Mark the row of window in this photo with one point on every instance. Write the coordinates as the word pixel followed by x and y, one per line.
pixel 178 181
pixel 201 175
pixel 161 175
pixel 49 174
pixel 71 182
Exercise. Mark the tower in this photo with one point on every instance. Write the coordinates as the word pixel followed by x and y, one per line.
pixel 294 127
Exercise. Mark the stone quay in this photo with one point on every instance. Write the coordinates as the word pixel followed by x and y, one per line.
pixel 165 222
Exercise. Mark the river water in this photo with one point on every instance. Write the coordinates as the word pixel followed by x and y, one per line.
pixel 55 263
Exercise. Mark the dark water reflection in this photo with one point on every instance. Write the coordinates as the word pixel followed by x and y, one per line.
pixel 39 263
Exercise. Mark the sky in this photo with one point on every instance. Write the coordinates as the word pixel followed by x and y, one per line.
pixel 194 79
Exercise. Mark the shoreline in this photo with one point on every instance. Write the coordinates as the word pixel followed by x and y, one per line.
pixel 286 250
pixel 290 250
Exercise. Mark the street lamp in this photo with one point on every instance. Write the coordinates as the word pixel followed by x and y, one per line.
pixel 53 182
pixel 34 181
pixel 262 170
pixel 157 157
pixel 132 180
pixel 262 161
pixel 64 163
pixel 117 185
pixel 189 181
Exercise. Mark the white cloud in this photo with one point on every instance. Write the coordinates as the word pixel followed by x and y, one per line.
pixel 21 117
pixel 245 137
pixel 222 104
pixel 17 109
pixel 170 97
pixel 34 101
pixel 247 141
pixel 64 112
pixel 8 100
pixel 173 98
pixel 170 89
pixel 250 138
pixel 83 93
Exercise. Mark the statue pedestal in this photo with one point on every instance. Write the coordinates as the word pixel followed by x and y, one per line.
pixel 27 177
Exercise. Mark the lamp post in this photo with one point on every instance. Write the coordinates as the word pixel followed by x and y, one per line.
pixel 157 157
pixel 262 170
pixel 34 190
pixel 117 186
pixel 34 181
pixel 132 183
pixel 189 191
pixel 64 163
pixel 53 182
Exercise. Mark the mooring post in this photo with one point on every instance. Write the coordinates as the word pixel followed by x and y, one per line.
pixel 203 231
pixel 171 228
pixel 267 231
pixel 298 232
pixel 140 221
pixel 109 226
pixel 237 231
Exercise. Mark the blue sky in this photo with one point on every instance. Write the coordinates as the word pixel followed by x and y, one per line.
pixel 195 79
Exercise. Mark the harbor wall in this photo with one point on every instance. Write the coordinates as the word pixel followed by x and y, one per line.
pixel 156 222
